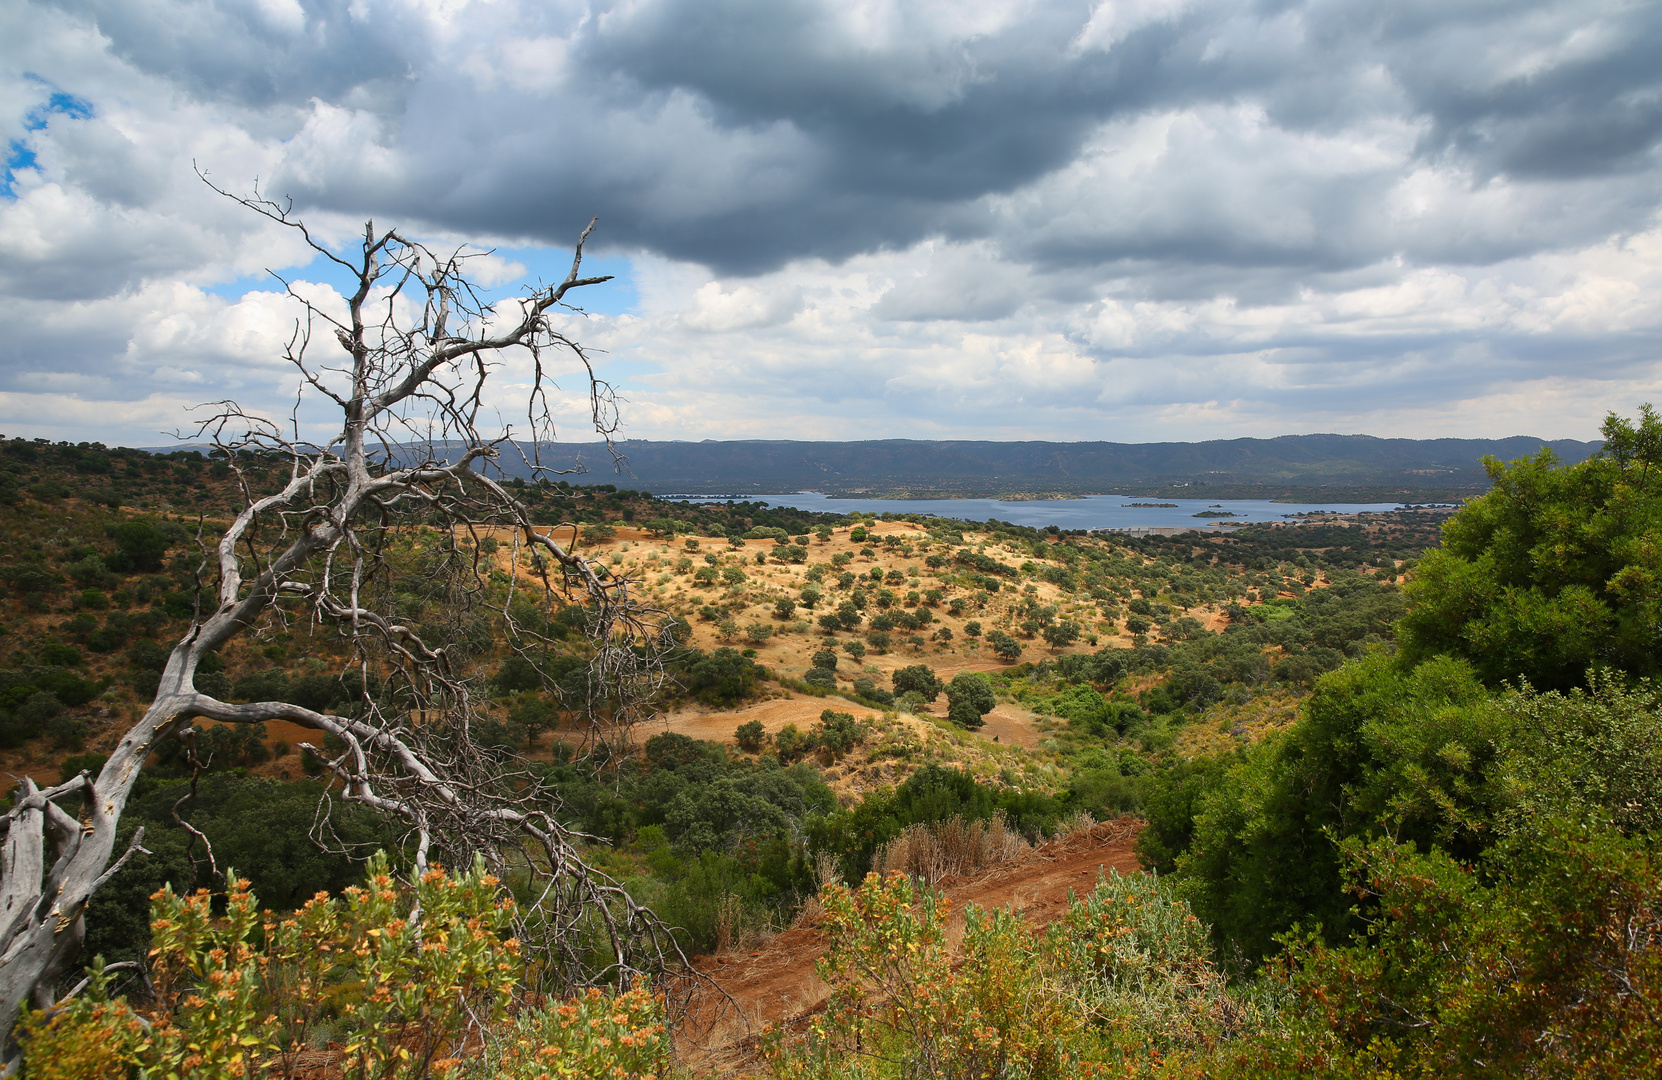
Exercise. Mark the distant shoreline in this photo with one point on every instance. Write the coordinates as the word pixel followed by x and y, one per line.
pixel 1324 497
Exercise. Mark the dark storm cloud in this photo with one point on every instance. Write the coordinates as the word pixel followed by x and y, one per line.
pixel 855 145
pixel 1562 112
pixel 260 54
pixel 745 133
pixel 1029 214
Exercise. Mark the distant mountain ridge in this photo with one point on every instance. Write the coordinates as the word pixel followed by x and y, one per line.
pixel 891 466
pixel 1336 468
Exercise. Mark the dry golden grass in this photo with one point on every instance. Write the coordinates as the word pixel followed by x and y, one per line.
pixel 950 848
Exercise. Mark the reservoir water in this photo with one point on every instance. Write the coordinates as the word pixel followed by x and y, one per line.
pixel 1092 512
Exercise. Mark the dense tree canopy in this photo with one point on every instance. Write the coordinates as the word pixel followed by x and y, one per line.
pixel 1554 571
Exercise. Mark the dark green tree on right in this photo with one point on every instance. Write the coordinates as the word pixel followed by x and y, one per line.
pixel 1555 571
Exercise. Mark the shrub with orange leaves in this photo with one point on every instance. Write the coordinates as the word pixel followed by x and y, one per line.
pixel 595 1035
pixel 91 1037
pixel 413 980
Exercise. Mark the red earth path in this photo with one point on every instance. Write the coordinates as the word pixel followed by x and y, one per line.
pixel 775 983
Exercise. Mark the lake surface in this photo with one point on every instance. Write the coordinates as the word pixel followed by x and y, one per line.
pixel 1094 512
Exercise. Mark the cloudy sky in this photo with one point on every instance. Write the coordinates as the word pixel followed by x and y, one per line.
pixel 1121 219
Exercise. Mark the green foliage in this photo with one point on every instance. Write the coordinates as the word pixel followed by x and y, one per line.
pixel 868 689
pixel 1005 647
pixel 719 837
pixel 517 673
pixel 837 733
pixel 599 532
pixel 931 794
pixel 1555 570
pixel 1118 985
pixel 919 679
pixel 534 714
pixel 1170 801
pixel 983 564
pixel 1425 756
pixel 262 824
pixel 1593 754
pixel 751 737
pixel 1415 755
pixel 1544 959
pixel 724 677
pixel 969 697
pixel 140 546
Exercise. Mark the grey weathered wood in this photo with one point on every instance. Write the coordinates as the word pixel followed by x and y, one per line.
pixel 314 542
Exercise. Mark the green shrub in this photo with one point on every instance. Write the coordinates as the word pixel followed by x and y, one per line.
pixel 724 677
pixel 751 736
pixel 1552 572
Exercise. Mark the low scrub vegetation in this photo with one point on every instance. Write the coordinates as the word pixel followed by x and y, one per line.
pixel 1396 829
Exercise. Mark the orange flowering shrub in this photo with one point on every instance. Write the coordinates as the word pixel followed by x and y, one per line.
pixel 207 977
pixel 596 1035
pixel 89 1038
pixel 902 1005
pixel 402 982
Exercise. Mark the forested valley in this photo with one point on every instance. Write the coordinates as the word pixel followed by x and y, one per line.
pixel 1392 787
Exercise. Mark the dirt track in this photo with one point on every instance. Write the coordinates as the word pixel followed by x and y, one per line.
pixel 776 984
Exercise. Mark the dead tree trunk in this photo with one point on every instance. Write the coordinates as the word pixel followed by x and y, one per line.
pixel 418 346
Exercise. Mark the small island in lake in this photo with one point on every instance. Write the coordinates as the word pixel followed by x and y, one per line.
pixel 1152 506
pixel 1217 514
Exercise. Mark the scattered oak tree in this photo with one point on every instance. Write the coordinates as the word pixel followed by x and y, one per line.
pixel 969 697
pixel 919 679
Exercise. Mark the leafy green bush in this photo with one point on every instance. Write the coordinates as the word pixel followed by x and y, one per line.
pixel 866 688
pixel 411 982
pixel 724 677
pixel 140 546
pixel 1005 647
pixel 1555 570
pixel 1120 985
pixel 919 679
pixel 1380 751
pixel 930 794
pixel 751 736
pixel 837 732
pixel 1542 959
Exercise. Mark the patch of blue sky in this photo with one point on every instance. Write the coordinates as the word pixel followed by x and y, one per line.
pixel 543 265
pixel 19 154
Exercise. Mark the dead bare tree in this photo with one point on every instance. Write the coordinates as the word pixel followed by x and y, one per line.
pixel 403 490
